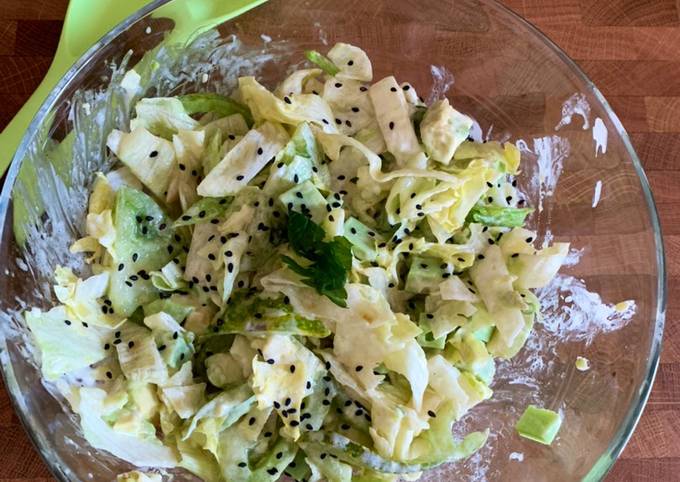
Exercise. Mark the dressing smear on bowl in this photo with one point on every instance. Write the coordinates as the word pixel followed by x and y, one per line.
pixel 282 233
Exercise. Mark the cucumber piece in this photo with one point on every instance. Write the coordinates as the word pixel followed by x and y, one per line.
pixel 209 209
pixel 484 333
pixel 539 424
pixel 261 316
pixel 145 242
pixel 424 275
pixel 426 339
pixel 174 306
pixel 364 239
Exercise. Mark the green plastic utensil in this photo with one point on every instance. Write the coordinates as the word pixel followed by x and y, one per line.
pixel 87 21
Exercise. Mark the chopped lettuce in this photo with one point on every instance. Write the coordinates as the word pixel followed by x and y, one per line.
pixel 313 282
pixel 66 345
pixel 151 159
pixel 242 163
pixel 215 103
pixel 162 116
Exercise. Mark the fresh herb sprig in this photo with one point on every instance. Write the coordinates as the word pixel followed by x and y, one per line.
pixel 330 261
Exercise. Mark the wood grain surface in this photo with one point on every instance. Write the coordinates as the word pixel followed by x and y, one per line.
pixel 631 50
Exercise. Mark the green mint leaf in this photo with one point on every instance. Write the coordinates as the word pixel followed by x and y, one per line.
pixel 330 261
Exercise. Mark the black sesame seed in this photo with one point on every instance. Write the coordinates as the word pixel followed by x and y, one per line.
pixel 153 153
pixel 480 256
pixel 251 421
pixel 393 89
pixel 259 151
pixel 338 85
pixel 270 361
pixel 359 368
pixel 135 256
pixel 294 423
pixel 287 100
pixel 109 375
pixel 272 471
pixel 242 464
pixel 431 414
pixel 515 255
pixel 529 239
pixel 391 125
pixel 292 368
pixel 326 402
pixel 287 402
pixel 239 177
pixel 277 405
pixel 131 344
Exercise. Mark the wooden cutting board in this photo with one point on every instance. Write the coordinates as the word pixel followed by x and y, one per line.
pixel 629 48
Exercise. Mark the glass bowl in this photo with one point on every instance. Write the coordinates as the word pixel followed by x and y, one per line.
pixel 493 66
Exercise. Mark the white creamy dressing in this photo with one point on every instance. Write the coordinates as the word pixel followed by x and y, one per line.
pixel 597 193
pixel 475 130
pixel 517 456
pixel 577 104
pixel 550 152
pixel 442 81
pixel 600 136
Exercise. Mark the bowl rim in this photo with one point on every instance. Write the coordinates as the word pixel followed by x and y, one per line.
pixel 605 461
